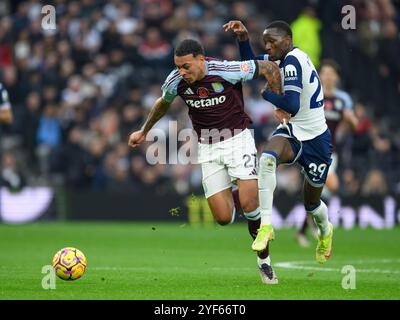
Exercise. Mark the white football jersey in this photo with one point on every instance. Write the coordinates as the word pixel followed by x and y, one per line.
pixel 299 74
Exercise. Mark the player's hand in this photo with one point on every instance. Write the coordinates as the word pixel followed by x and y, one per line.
pixel 282 116
pixel 238 28
pixel 136 138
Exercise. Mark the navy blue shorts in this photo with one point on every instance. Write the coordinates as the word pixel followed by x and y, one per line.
pixel 314 156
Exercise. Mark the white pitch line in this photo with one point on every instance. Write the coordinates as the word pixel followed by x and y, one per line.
pixel 300 265
pixel 384 260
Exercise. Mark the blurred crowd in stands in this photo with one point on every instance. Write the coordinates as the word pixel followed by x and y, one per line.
pixel 78 91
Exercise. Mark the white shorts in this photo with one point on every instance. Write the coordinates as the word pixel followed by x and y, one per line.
pixel 226 161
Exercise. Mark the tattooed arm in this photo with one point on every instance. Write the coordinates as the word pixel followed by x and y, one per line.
pixel 288 101
pixel 270 71
pixel 159 109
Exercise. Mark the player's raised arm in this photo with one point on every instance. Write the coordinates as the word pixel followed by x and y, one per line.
pixel 238 28
pixel 246 52
pixel 159 109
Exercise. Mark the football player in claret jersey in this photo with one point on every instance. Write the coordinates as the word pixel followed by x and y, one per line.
pixel 302 136
pixel 212 90
pixel 338 110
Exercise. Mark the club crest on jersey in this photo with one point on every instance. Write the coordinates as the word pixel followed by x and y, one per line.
pixel 202 92
pixel 218 87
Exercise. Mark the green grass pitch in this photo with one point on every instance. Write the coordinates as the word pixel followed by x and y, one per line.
pixel 173 261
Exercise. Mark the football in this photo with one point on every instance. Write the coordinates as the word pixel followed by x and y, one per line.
pixel 69 263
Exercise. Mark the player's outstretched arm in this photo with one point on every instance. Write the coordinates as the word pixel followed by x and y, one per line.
pixel 159 109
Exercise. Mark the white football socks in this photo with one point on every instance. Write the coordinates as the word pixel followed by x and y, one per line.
pixel 320 216
pixel 254 215
pixel 266 186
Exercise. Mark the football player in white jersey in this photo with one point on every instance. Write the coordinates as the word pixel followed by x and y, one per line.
pixel 302 136
pixel 338 111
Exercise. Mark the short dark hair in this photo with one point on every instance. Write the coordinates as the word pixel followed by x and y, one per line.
pixel 329 63
pixel 281 26
pixel 189 46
